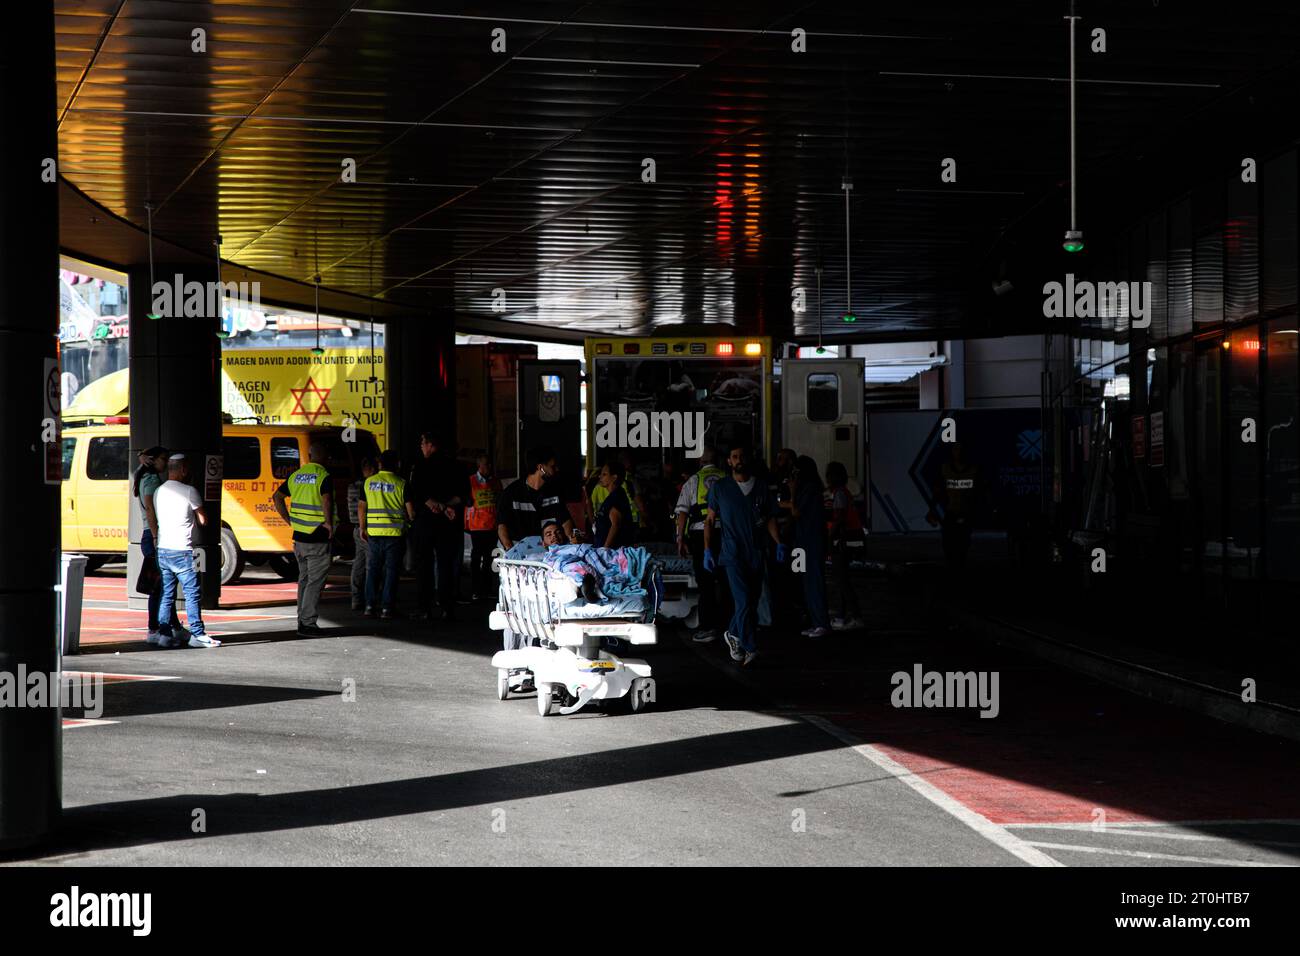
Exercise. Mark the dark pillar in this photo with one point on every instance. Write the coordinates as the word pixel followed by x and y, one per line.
pixel 420 355
pixel 176 400
pixel 31 749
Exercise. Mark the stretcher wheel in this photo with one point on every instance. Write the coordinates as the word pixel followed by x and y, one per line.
pixel 503 683
pixel 545 700
pixel 640 694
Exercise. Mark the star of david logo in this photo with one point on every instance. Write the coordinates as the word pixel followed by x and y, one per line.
pixel 322 394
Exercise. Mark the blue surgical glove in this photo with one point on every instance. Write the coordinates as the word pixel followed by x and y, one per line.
pixel 780 554
pixel 710 562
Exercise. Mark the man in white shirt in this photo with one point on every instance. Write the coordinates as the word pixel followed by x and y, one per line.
pixel 177 505
pixel 689 515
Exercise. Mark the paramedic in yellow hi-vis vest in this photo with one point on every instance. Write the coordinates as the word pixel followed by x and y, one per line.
pixel 383 512
pixel 311 516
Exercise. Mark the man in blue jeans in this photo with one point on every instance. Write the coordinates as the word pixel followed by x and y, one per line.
pixel 383 513
pixel 741 506
pixel 177 505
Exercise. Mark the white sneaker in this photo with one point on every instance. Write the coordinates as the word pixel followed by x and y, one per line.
pixel 817 632
pixel 750 657
pixel 733 646
pixel 154 638
pixel 202 640
pixel 704 637
pixel 852 624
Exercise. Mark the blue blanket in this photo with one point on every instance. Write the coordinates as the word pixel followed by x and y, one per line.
pixel 526 549
pixel 619 572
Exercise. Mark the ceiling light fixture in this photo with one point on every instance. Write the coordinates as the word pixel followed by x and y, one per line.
pixel 373 376
pixel 148 208
pixel 222 332
pixel 316 349
pixel 847 186
pixel 821 350
pixel 1073 236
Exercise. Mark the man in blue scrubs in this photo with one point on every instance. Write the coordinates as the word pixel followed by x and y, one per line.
pixel 745 511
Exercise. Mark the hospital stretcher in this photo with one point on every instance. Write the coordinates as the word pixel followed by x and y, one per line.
pixel 681 592
pixel 565 656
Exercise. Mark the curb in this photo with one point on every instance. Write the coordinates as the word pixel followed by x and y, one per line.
pixel 1149 682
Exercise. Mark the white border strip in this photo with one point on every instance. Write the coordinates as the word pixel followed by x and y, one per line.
pixel 1283 821
pixel 978 822
pixel 1140 854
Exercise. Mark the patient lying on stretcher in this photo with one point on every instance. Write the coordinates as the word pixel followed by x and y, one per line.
pixel 592 581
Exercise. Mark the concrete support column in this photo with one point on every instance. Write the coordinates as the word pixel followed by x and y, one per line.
pixel 420 355
pixel 931 389
pixel 955 374
pixel 176 399
pixel 31 748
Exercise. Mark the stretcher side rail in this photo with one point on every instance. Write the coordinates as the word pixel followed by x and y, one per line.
pixel 524 600
pixel 527 606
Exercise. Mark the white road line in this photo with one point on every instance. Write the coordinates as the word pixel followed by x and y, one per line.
pixel 978 822
pixel 1129 824
pixel 1155 833
pixel 1208 860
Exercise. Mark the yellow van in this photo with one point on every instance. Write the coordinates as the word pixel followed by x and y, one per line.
pixel 98 463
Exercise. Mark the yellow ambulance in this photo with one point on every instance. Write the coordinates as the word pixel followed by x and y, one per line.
pixel 98 463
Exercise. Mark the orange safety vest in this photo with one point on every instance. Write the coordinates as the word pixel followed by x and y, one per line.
pixel 481 514
pixel 852 519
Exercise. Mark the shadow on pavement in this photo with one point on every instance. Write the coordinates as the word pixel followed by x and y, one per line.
pixel 160 820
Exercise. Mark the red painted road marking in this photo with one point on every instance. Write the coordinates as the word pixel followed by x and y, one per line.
pixel 70 722
pixel 224 615
pixel 1005 800
pixel 1138 766
pixel 232 595
pixel 110 677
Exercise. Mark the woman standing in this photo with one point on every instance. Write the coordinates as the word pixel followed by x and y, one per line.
pixel 846 526
pixel 145 483
pixel 809 514
pixel 614 526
